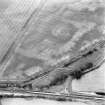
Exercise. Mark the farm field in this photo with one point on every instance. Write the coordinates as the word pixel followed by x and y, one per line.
pixel 53 39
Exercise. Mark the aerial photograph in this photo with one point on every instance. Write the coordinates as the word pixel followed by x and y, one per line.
pixel 52 52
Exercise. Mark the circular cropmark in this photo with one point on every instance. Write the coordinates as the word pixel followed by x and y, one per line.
pixel 61 31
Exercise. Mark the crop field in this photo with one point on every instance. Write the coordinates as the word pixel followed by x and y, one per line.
pixel 59 33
